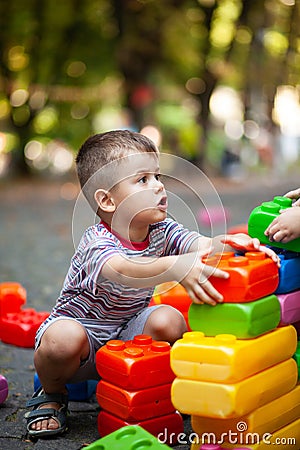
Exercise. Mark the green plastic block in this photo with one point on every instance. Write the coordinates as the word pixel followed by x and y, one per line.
pixel 244 320
pixel 132 437
pixel 297 358
pixel 261 217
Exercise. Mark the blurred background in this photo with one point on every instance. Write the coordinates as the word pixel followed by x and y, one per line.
pixel 214 81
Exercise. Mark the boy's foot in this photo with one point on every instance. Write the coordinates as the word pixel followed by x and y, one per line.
pixel 49 414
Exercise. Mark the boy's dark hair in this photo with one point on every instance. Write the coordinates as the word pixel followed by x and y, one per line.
pixel 102 149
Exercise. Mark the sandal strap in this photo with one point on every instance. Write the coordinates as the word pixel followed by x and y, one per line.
pixel 43 398
pixel 44 413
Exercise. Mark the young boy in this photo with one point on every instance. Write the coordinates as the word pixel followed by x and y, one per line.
pixel 115 268
pixel 286 227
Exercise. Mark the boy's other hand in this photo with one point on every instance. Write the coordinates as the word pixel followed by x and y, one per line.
pixel 245 243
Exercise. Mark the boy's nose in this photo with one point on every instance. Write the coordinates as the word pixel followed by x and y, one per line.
pixel 159 186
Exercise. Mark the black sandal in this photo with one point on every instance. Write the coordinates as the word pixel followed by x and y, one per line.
pixel 38 414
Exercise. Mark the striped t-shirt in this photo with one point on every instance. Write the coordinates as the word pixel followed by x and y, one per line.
pixel 100 304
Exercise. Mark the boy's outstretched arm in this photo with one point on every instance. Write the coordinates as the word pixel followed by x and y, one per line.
pixel 187 269
pixel 234 242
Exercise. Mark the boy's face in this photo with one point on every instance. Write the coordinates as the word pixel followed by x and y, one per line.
pixel 139 196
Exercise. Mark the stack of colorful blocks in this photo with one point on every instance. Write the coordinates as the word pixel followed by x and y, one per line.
pixel 135 387
pixel 235 372
pixel 17 326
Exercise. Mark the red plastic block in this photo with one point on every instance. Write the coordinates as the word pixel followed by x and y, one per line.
pixel 135 405
pixel 137 364
pixel 19 328
pixel 251 276
pixel 3 389
pixel 12 297
pixel 166 428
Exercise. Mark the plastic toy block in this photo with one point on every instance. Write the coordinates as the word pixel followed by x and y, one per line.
pixel 137 364
pixel 12 297
pixel 77 392
pixel 266 419
pixel 172 294
pixel 261 217
pixel 166 427
pixel 3 389
pixel 251 276
pixel 132 437
pixel 135 405
pixel 220 400
pixel 244 320
pixel 296 325
pixel 289 271
pixel 290 307
pixel 20 328
pixel 296 357
pixel 226 359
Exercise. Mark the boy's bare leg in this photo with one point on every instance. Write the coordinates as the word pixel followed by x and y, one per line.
pixel 165 324
pixel 63 346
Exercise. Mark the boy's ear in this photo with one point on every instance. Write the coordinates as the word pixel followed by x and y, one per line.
pixel 104 200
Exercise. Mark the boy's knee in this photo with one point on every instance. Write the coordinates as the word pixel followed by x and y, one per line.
pixel 166 324
pixel 62 339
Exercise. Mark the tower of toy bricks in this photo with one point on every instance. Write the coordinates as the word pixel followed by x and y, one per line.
pixel 17 326
pixel 236 372
pixel 135 387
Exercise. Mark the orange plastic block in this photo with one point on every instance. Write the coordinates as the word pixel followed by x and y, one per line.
pixel 173 294
pixel 226 359
pixel 203 398
pixel 266 419
pixel 167 427
pixel 19 328
pixel 137 364
pixel 251 276
pixel 135 405
pixel 12 297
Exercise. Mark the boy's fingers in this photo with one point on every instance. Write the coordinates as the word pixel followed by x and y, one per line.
pixel 209 271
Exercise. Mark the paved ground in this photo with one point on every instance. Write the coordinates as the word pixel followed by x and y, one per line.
pixel 35 248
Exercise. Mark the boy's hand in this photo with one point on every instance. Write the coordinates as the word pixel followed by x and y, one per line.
pixel 198 286
pixel 285 227
pixel 245 243
pixel 294 195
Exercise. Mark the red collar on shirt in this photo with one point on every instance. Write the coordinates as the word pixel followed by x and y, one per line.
pixel 128 244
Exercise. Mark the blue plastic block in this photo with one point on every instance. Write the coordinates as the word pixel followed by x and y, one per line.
pixel 131 437
pixel 78 392
pixel 289 272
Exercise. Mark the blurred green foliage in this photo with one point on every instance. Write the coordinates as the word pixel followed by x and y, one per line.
pixel 69 69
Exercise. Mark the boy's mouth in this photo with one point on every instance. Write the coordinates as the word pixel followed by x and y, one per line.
pixel 163 204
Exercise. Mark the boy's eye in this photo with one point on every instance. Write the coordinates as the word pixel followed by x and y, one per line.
pixel 143 180
pixel 158 176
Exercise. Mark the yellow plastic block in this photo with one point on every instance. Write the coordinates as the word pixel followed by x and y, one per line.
pixel 287 438
pixel 266 419
pixel 224 358
pixel 203 398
